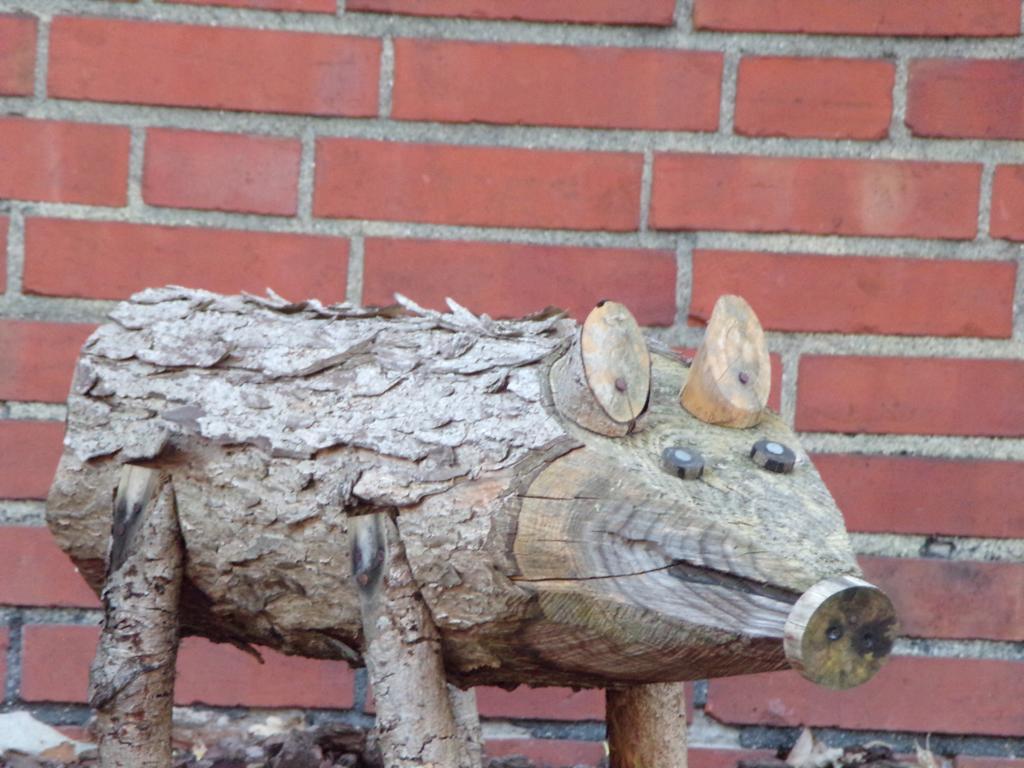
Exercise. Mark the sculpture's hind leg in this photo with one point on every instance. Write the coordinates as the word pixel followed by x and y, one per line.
pixel 416 715
pixel 647 726
pixel 132 677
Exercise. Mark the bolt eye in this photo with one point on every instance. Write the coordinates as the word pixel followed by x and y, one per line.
pixel 683 462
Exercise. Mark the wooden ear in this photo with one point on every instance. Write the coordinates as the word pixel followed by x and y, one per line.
pixel 731 375
pixel 603 382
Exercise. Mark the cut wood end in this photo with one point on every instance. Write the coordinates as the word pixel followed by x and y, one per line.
pixel 840 632
pixel 616 361
pixel 730 378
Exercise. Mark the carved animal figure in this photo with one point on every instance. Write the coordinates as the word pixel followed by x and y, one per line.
pixel 449 498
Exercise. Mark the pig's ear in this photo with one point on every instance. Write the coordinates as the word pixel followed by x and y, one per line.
pixel 731 375
pixel 603 382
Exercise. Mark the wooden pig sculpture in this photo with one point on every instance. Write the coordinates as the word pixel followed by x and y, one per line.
pixel 452 501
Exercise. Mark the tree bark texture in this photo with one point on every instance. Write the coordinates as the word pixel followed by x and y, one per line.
pixel 543 552
pixel 416 719
pixel 132 677
pixel 647 726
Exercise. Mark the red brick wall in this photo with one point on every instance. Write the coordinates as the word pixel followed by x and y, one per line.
pixel 852 167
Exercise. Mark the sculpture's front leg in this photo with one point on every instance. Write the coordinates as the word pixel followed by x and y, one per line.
pixel 132 679
pixel 417 720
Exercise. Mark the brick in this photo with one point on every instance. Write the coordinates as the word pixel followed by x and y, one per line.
pixel 854 294
pixel 221 675
pixel 35 571
pixel 112 260
pixel 29 452
pixel 814 97
pixel 938 695
pixel 815 196
pixel 978 18
pixel 460 82
pixel 1008 202
pixel 221 172
pixel 650 12
pixel 56 658
pixel 971 761
pixel 508 280
pixel 488 186
pixel 141 62
pixel 953 599
pixel 541 703
pixel 966 98
pixel 946 497
pixel 550 753
pixel 910 396
pixel 308 6
pixel 63 162
pixel 698 757
pixel 17 54
pixel 39 359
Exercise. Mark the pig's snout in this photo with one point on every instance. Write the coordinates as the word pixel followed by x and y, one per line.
pixel 840 632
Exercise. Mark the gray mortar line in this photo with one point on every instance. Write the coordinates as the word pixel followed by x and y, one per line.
pixel 959 649
pixel 1018 297
pixel 988 169
pixel 682 16
pixel 15 253
pixel 42 59
pixel 646 183
pixel 136 158
pixel 679 36
pixel 31 411
pixel 55 309
pixel 354 284
pixel 387 76
pixel 307 178
pixel 9 245
pixel 730 80
pixel 684 281
pixel 28 513
pixel 12 684
pixel 790 379
pixel 951 548
pixel 920 446
pixel 67 616
pixel 897 125
pixel 769 242
pixel 533 137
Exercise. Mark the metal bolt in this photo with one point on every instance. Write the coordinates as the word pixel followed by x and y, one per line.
pixel 834 632
pixel 621 385
pixel 744 377
pixel 683 462
pixel 773 456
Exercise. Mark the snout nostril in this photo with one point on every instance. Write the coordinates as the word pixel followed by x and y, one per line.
pixel 835 632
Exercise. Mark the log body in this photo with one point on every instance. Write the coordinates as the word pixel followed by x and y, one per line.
pixel 546 553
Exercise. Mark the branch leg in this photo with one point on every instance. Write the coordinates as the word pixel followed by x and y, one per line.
pixel 132 677
pixel 467 722
pixel 416 720
pixel 647 726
